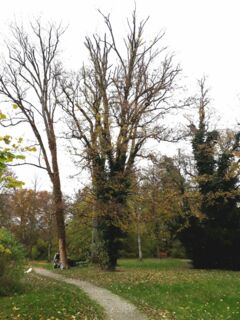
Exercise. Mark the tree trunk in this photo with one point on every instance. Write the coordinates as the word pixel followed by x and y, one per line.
pixel 49 251
pixel 59 208
pixel 158 240
pixel 109 235
pixel 140 256
pixel 95 240
pixel 59 214
pixel 139 240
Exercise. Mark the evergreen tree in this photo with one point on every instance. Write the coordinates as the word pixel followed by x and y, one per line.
pixel 213 241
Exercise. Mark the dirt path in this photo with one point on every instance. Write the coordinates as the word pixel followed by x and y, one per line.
pixel 115 307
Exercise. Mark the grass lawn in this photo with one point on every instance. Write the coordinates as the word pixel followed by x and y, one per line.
pixel 45 299
pixel 170 289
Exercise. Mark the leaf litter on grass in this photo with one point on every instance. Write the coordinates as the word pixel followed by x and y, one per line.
pixel 174 293
pixel 47 299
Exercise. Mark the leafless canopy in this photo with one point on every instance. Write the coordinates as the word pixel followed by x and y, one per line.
pixel 28 81
pixel 119 100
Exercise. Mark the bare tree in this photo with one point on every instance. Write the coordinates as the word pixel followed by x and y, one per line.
pixel 28 81
pixel 115 105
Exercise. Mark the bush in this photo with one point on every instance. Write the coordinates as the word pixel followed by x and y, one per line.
pixel 177 250
pixel 11 262
pixel 39 250
pixel 35 253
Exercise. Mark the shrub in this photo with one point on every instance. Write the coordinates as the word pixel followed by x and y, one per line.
pixel 177 250
pixel 11 262
pixel 39 250
pixel 35 253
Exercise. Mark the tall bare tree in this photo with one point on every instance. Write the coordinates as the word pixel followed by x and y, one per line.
pixel 115 105
pixel 28 82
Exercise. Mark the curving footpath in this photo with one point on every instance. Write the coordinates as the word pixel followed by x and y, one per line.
pixel 115 307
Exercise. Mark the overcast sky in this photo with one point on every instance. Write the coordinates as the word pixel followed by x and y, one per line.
pixel 203 34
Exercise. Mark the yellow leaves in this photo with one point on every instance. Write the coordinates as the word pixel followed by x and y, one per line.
pixel 226 196
pixel 15 308
pixel 204 178
pixel 6 139
pixel 11 182
pixel 15 106
pixel 4 250
pixel 20 157
pixel 2 116
pixel 31 149
pixel 8 251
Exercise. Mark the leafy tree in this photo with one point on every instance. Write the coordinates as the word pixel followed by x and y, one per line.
pixel 213 241
pixel 79 226
pixel 32 222
pixel 9 151
pixel 165 192
pixel 136 222
pixel 157 208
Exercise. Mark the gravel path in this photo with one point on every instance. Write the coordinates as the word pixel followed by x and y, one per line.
pixel 115 307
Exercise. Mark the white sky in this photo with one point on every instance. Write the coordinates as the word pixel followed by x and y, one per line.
pixel 204 34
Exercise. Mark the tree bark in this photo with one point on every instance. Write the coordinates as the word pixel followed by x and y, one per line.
pixel 59 214
pixel 139 240
pixel 140 256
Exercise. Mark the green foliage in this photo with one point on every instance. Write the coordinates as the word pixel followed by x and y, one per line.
pixel 110 242
pixel 11 262
pixel 156 206
pixel 8 153
pixel 100 255
pixel 79 228
pixel 39 250
pixel 8 180
pixel 177 250
pixel 79 238
pixel 35 252
pixel 148 241
pixel 213 241
pixel 101 245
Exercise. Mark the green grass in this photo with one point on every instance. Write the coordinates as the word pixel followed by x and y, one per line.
pixel 154 264
pixel 45 299
pixel 170 289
